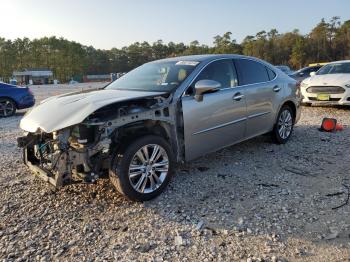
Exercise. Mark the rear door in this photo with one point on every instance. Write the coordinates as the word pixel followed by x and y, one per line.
pixel 262 94
pixel 219 120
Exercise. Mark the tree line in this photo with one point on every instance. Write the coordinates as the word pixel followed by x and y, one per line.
pixel 327 41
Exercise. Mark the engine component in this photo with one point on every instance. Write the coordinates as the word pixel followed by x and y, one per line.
pixel 84 134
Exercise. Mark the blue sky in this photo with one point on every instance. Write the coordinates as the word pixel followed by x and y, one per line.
pixel 107 23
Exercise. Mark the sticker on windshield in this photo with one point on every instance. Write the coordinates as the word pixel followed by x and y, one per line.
pixel 189 63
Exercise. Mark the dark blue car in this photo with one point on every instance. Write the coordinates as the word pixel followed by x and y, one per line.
pixel 13 98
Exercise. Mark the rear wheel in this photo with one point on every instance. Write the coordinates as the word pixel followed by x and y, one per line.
pixel 284 125
pixel 144 169
pixel 7 107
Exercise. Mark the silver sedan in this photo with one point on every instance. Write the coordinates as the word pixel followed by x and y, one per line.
pixel 163 112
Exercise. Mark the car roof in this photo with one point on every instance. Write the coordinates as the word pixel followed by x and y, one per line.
pixel 6 85
pixel 203 58
pixel 341 61
pixel 307 67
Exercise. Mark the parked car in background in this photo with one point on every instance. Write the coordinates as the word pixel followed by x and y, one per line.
pixel 305 72
pixel 13 98
pixel 73 82
pixel 329 85
pixel 163 112
pixel 285 69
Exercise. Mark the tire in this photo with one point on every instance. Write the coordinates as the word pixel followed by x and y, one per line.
pixel 131 183
pixel 286 119
pixel 7 107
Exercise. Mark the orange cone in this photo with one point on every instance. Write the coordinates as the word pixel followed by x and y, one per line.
pixel 329 124
pixel 339 127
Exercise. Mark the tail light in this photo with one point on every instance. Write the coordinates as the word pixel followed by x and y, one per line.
pixel 30 91
pixel 297 85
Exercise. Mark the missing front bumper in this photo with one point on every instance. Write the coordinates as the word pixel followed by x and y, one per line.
pixel 57 180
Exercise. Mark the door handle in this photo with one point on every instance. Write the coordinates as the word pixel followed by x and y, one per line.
pixel 276 88
pixel 237 96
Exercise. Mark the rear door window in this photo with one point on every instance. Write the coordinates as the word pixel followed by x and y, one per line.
pixel 251 72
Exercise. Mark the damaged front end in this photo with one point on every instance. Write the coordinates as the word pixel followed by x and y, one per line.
pixel 66 156
pixel 82 152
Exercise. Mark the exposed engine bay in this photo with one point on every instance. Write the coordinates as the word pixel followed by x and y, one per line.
pixel 82 152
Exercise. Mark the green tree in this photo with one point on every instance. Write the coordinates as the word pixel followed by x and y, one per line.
pixel 298 56
pixel 327 41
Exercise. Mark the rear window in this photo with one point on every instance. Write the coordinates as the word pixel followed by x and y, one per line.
pixel 251 72
pixel 271 73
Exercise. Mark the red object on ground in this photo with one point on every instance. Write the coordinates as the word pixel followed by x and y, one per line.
pixel 339 127
pixel 329 124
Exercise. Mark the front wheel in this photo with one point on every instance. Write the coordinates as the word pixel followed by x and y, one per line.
pixel 144 169
pixel 284 125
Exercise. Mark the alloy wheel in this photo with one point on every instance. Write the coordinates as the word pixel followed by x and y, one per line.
pixel 6 108
pixel 148 169
pixel 285 124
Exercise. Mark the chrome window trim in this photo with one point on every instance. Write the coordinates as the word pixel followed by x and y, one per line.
pixel 232 59
pixel 257 61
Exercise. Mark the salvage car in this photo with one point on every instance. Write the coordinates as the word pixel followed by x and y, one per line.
pixel 14 98
pixel 161 113
pixel 328 86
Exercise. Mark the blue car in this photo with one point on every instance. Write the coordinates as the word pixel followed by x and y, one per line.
pixel 13 98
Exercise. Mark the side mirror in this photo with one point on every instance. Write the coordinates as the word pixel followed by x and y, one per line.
pixel 312 73
pixel 205 86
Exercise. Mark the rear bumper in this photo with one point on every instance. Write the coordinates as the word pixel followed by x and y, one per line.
pixel 26 102
pixel 298 114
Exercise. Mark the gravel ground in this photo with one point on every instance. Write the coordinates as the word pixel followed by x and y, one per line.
pixel 255 201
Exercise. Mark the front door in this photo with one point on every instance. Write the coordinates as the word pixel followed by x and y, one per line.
pixel 220 119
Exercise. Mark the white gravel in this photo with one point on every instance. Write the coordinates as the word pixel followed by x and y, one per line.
pixel 255 201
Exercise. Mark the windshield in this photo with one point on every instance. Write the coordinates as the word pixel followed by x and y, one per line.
pixel 336 68
pixel 298 72
pixel 159 76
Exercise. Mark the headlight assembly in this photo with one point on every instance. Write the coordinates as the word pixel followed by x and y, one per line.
pixel 303 84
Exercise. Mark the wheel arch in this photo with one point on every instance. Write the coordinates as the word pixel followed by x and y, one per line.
pixel 292 106
pixel 128 133
pixel 289 103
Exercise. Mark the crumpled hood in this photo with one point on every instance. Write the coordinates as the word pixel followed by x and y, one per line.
pixel 329 80
pixel 62 111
